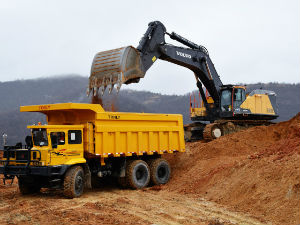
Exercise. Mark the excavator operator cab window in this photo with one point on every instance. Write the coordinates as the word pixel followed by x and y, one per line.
pixel 238 97
pixel 226 99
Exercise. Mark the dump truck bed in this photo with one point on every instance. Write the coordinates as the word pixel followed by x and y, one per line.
pixel 115 134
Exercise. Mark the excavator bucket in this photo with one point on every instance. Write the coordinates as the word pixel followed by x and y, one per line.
pixel 115 67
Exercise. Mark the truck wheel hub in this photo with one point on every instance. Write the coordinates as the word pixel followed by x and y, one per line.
pixel 78 183
pixel 161 172
pixel 217 132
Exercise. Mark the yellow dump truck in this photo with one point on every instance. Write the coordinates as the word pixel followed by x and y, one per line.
pixel 81 142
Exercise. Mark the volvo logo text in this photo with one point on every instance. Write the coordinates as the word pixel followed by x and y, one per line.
pixel 184 55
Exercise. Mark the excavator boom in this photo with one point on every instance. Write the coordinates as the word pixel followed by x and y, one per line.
pixel 226 107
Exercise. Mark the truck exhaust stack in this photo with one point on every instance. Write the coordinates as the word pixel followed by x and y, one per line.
pixel 117 66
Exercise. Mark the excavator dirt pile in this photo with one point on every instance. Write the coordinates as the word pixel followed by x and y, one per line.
pixel 254 171
pixel 115 67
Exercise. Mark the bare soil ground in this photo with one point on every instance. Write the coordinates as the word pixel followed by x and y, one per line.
pixel 111 205
pixel 251 178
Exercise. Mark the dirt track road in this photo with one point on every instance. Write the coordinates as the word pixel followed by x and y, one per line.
pixel 114 206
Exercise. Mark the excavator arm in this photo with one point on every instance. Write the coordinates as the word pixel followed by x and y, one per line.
pixel 128 65
pixel 195 58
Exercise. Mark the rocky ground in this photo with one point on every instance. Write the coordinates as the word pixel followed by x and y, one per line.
pixel 251 177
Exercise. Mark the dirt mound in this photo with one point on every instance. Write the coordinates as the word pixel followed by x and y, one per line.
pixel 254 171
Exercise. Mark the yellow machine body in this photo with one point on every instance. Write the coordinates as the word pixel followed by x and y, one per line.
pixel 255 104
pixel 198 112
pixel 258 104
pixel 104 134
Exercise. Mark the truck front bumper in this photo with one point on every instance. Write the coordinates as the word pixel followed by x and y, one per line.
pixel 34 170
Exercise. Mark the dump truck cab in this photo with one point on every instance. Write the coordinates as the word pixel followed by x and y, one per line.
pixel 49 151
pixel 58 144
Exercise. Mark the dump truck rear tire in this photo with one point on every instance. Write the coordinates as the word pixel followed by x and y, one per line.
pixel 96 181
pixel 122 182
pixel 28 185
pixel 160 171
pixel 137 174
pixel 74 182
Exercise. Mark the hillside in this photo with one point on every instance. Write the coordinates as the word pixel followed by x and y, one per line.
pixel 72 88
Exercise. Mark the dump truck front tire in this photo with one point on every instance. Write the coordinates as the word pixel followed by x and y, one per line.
pixel 160 171
pixel 122 182
pixel 74 182
pixel 28 185
pixel 137 174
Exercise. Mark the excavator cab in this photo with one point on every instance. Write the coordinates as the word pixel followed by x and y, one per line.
pixel 231 98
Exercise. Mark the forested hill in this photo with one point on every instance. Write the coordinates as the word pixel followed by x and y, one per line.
pixel 72 88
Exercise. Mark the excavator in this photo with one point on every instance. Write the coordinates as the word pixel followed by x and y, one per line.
pixel 224 109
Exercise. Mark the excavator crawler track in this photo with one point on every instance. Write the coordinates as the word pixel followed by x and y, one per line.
pixel 212 131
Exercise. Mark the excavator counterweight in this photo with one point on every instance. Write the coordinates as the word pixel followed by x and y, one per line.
pixel 115 67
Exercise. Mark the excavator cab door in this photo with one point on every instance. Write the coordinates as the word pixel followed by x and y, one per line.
pixel 226 103
pixel 231 99
pixel 239 96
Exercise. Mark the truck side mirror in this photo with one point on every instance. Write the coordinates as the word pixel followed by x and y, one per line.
pixel 28 141
pixel 4 136
pixel 54 141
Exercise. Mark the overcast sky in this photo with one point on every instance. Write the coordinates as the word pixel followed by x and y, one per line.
pixel 249 41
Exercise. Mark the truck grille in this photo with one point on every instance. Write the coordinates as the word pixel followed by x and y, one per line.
pixel 11 154
pixel 22 155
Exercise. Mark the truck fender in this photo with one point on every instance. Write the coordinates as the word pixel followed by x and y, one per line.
pixel 122 172
pixel 76 161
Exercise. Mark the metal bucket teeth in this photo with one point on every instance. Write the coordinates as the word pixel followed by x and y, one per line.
pixel 88 91
pixel 102 90
pixel 117 66
pixel 119 87
pixel 110 88
pixel 96 91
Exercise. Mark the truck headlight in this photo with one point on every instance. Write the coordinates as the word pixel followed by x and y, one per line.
pixel 4 136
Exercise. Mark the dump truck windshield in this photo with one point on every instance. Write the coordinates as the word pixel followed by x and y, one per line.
pixel 40 137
